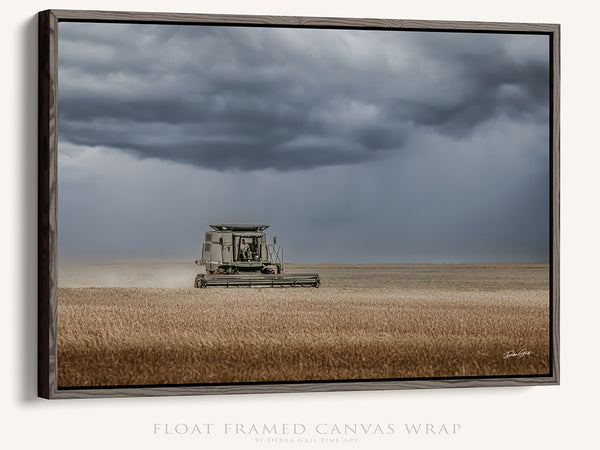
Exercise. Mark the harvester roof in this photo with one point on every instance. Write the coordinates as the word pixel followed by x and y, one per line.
pixel 238 227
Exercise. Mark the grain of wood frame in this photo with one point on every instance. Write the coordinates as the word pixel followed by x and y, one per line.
pixel 366 322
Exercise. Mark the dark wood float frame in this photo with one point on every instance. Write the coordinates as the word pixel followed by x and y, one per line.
pixel 47 200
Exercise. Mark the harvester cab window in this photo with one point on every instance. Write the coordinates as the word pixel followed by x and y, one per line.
pixel 245 252
pixel 248 248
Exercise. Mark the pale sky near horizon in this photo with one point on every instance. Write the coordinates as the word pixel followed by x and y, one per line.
pixel 355 146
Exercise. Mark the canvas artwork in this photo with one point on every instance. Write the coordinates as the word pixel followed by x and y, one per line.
pixel 249 205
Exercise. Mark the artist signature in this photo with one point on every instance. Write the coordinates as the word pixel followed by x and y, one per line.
pixel 512 353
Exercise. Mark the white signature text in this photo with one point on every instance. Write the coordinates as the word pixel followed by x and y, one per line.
pixel 512 353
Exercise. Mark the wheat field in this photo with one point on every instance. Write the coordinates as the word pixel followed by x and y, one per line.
pixel 145 325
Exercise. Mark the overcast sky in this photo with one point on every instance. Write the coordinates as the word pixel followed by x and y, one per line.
pixel 355 146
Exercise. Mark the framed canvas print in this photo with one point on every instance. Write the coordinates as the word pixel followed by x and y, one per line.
pixel 249 204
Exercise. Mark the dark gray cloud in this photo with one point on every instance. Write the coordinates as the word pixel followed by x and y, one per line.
pixel 450 201
pixel 354 146
pixel 286 99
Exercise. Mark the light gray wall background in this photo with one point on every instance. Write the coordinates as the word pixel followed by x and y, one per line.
pixel 549 417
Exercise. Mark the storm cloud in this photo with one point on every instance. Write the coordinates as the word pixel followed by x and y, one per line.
pixel 287 99
pixel 355 146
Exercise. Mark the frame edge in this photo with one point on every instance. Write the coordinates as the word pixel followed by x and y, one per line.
pixel 555 199
pixel 300 21
pixel 47 152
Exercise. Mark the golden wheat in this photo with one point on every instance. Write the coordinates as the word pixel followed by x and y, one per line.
pixel 365 322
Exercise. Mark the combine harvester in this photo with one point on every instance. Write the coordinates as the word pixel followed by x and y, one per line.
pixel 239 255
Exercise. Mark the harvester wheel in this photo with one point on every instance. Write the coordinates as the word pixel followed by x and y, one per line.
pixel 199 282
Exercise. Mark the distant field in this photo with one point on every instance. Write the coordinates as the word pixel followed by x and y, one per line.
pixel 143 324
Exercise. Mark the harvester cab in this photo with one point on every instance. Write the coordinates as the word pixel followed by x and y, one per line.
pixel 239 255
